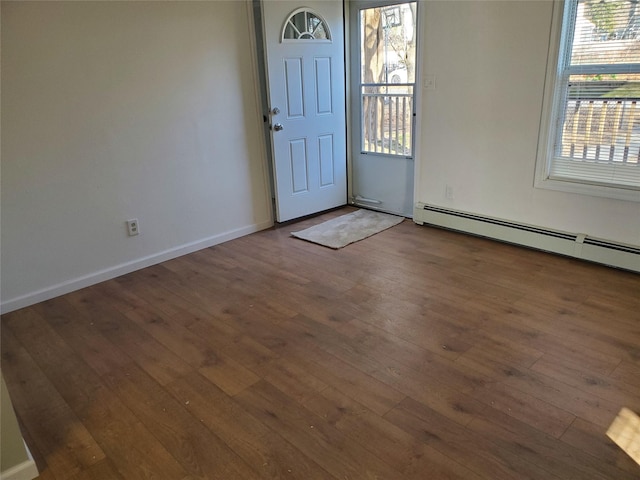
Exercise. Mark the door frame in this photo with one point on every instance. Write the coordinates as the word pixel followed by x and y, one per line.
pixel 255 26
pixel 352 67
pixel 254 11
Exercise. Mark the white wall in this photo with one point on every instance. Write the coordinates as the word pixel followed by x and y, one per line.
pixel 115 110
pixel 480 126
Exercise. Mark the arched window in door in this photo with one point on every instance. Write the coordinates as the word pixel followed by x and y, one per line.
pixel 304 24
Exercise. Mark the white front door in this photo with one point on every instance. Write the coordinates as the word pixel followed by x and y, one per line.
pixel 383 45
pixel 305 70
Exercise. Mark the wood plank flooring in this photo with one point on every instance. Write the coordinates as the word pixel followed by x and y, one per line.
pixel 415 354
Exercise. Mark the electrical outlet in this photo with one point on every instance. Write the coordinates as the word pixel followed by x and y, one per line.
pixel 448 192
pixel 133 227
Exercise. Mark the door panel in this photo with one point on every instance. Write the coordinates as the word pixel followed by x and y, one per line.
pixel 323 86
pixel 388 182
pixel 306 92
pixel 299 166
pixel 294 87
pixel 325 147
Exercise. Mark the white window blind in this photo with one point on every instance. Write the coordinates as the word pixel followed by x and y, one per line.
pixel 596 115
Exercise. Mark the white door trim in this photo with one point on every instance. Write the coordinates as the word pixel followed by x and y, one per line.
pixel 256 64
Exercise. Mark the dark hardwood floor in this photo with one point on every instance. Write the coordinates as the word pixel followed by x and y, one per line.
pixel 417 353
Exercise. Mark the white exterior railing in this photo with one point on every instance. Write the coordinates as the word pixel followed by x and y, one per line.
pixel 387 122
pixel 601 130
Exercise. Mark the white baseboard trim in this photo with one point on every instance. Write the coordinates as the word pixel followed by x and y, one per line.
pixel 26 470
pixel 575 245
pixel 124 268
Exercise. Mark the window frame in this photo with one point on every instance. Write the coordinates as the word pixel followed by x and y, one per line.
pixel 553 101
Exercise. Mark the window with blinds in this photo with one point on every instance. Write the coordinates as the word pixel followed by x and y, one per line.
pixel 594 133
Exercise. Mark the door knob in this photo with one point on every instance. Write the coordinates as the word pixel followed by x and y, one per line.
pixel 275 111
pixel 277 127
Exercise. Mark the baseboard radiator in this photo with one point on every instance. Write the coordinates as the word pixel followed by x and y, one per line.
pixel 576 245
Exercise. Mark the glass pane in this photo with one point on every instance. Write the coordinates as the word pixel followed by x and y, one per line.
pixel 606 32
pixel 316 27
pixel 290 32
pixel 387 57
pixel 298 20
pixel 602 119
pixel 387 121
pixel 388 49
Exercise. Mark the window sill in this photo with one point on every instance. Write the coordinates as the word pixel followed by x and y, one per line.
pixel 575 186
